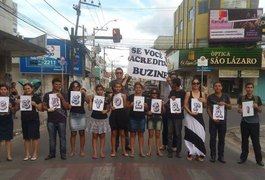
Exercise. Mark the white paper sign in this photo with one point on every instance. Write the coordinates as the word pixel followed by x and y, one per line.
pixel 138 103
pixel 147 64
pixel 75 98
pixel 4 104
pixel 118 101
pixel 98 103
pixel 247 108
pixel 156 106
pixel 25 103
pixel 175 105
pixel 218 112
pixel 196 105
pixel 54 101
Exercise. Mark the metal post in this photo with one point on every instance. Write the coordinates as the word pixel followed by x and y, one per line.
pixel 202 77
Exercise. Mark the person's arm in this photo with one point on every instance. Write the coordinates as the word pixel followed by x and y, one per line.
pixel 89 103
pixel 258 106
pixel 65 104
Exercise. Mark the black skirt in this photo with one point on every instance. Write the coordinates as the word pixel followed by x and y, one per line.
pixel 6 127
pixel 119 119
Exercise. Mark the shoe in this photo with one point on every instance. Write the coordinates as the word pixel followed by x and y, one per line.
pixel 63 157
pixel 213 159
pixel 26 158
pixel 34 158
pixel 170 155
pixel 189 158
pixel 260 163
pixel 131 155
pixel 9 159
pixel 71 154
pixel 113 155
pixel 241 161
pixel 125 154
pixel 200 158
pixel 49 157
pixel 163 148
pixel 82 154
pixel 102 157
pixel 174 149
pixel 178 155
pixel 94 157
pixel 222 160
pixel 159 154
pixel 148 154
pixel 127 148
pixel 142 155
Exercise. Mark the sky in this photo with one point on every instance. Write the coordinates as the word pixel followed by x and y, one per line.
pixel 140 21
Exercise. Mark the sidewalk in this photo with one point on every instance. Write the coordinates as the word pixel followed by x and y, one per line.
pixel 233 137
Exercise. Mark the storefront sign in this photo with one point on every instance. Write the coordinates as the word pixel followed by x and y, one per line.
pixel 222 57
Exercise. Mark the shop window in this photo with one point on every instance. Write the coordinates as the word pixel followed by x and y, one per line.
pixel 202 7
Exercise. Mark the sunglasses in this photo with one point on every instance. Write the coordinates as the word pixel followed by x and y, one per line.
pixel 195 83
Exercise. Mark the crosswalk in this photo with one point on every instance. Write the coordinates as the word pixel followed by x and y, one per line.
pixel 128 171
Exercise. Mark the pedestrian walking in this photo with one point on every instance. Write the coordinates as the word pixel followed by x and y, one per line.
pixel 217 105
pixel 99 124
pixel 30 122
pixel 194 138
pixel 249 106
pixel 77 117
pixel 55 103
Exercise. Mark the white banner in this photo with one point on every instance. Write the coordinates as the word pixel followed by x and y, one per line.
pixel 147 64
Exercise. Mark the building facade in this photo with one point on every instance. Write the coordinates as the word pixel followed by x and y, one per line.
pixel 214 29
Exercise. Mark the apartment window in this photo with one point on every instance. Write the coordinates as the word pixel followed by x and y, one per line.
pixel 203 7
pixel 191 13
pixel 181 25
pixel 176 30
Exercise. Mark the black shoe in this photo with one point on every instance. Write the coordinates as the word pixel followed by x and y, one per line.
pixel 241 161
pixel 213 159
pixel 49 157
pixel 170 155
pixel 178 155
pixel 127 148
pixel 63 157
pixel 260 163
pixel 221 159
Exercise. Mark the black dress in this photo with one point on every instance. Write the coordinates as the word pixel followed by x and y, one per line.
pixel 6 126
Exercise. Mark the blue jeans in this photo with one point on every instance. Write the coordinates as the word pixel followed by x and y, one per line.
pixel 52 130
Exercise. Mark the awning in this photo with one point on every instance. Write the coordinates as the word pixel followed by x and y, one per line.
pixel 18 47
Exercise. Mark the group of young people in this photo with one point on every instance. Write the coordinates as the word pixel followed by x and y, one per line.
pixel 120 113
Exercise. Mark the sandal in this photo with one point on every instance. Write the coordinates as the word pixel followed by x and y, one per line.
pixel 113 155
pixel 34 158
pixel 26 158
pixel 125 154
pixel 189 158
pixel 148 154
pixel 131 155
pixel 159 154
pixel 142 155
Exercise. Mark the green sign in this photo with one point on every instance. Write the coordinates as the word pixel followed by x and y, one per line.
pixel 222 57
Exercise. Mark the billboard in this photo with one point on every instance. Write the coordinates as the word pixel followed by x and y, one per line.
pixel 56 61
pixel 234 25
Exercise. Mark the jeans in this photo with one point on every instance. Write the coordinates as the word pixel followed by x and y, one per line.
pixel 250 130
pixel 174 128
pixel 52 130
pixel 215 128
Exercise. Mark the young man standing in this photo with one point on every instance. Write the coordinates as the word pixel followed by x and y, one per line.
pixel 218 125
pixel 174 120
pixel 56 118
pixel 250 125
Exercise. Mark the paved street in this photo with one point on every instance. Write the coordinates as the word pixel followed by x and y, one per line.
pixel 129 168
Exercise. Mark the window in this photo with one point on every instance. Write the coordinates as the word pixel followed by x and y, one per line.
pixel 190 45
pixel 191 13
pixel 235 4
pixel 181 25
pixel 203 7
pixel 202 43
pixel 176 30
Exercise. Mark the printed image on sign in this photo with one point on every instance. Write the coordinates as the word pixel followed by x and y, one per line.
pixel 25 103
pixel 218 112
pixel 247 108
pixel 175 105
pixel 156 106
pixel 75 98
pixel 98 103
pixel 4 104
pixel 148 64
pixel 54 101
pixel 196 105
pixel 118 101
pixel 138 103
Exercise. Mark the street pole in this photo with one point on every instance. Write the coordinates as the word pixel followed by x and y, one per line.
pixel 202 78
